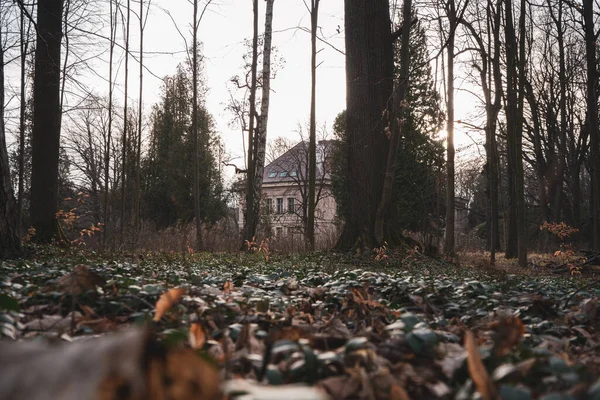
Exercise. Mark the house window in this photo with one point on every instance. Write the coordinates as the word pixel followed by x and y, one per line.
pixel 272 174
pixel 280 205
pixel 269 206
pixel 291 208
pixel 283 174
pixel 293 173
pixel 279 231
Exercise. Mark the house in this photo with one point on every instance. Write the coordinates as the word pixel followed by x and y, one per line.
pixel 285 194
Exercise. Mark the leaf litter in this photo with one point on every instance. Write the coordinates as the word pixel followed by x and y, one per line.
pixel 235 326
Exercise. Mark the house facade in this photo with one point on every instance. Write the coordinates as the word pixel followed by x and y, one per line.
pixel 285 195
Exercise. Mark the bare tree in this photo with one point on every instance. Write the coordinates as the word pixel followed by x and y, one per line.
pixel 111 48
pixel 24 32
pixel 125 119
pixel 312 143
pixel 46 119
pixel 9 241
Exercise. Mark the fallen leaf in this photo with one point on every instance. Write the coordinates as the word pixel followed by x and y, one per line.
pixel 227 287
pixel 477 370
pixel 166 301
pixel 398 393
pixel 197 336
pixel 509 331
pixel 80 280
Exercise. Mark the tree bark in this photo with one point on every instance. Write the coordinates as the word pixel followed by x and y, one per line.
pixel 109 127
pixel 592 116
pixel 124 137
pixel 396 124
pixel 520 175
pixel 312 142
pixel 369 84
pixel 250 223
pixel 511 130
pixel 197 216
pixel 9 241
pixel 138 156
pixel 24 46
pixel 46 120
pixel 449 242
pixel 260 139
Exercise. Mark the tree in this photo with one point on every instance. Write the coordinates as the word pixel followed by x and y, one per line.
pixel 167 169
pixel 592 115
pixel 369 81
pixel 124 136
pixel 251 221
pixel 46 120
pixel 312 141
pixel 24 32
pixel 111 48
pixel 397 120
pixel 260 132
pixel 9 241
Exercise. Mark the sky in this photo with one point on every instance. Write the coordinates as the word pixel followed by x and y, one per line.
pixel 223 29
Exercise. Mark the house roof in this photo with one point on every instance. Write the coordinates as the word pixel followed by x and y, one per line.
pixel 292 165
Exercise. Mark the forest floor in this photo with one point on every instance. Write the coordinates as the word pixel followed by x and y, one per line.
pixel 403 327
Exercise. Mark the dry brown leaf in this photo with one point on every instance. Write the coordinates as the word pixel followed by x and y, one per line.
pixel 183 376
pixel 99 325
pixel 477 370
pixel 509 331
pixel 197 336
pixel 80 280
pixel 87 311
pixel 398 393
pixel 228 287
pixel 166 301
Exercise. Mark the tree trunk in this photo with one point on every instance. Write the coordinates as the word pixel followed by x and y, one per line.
pixel 124 137
pixel 250 220
pixel 109 127
pixel 24 46
pixel 396 119
pixel 260 140
pixel 520 175
pixel 46 120
pixel 592 117
pixel 449 242
pixel 197 216
pixel 138 156
pixel 511 131
pixel 492 110
pixel 9 241
pixel 369 84
pixel 312 143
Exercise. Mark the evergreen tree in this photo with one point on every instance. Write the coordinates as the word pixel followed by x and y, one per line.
pixel 420 155
pixel 167 173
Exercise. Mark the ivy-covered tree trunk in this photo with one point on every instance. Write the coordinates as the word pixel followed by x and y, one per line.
pixel 46 120
pixel 260 143
pixel 369 81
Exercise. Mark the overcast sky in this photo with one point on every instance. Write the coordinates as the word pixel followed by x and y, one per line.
pixel 222 32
